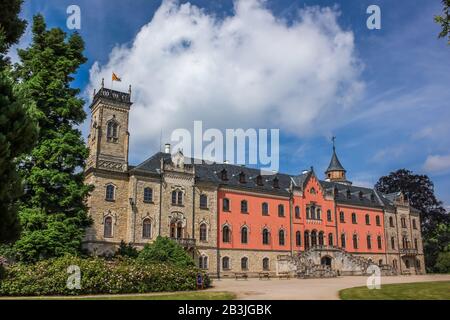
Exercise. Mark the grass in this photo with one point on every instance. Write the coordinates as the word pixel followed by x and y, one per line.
pixel 191 295
pixel 439 290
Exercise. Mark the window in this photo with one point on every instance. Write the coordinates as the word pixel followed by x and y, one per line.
pixel 319 214
pixel 110 190
pixel 203 232
pixel 405 242
pixel 244 263
pixel 174 197
pixel 341 217
pixel 361 195
pixel 203 262
pixel 226 237
pixel 281 210
pixel 148 195
pixel 226 263
pixel 107 231
pixel 308 213
pixel 414 224
pixel 242 178
pixel 265 236
pixel 224 175
pixel 407 264
pixel 176 230
pixel 306 236
pixel 329 215
pixel 266 264
pixel 403 221
pixel 379 242
pixel 355 241
pixel 298 239
pixel 276 183
pixel 265 209
pixel 416 244
pixel 343 240
pixel 313 238
pixel 312 191
pixel 378 221
pixel 297 212
pixel 147 229
pixel 226 204
pixel 393 242
pixel 367 219
pixel 177 197
pixel 330 239
pixel 349 194
pixel 391 222
pixel 112 131
pixel 354 218
pixel 369 242
pixel 180 198
pixel 281 237
pixel 259 180
pixel 203 201
pixel 313 213
pixel 244 206
pixel 244 235
pixel 321 242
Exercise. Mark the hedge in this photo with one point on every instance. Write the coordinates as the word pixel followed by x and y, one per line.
pixel 49 277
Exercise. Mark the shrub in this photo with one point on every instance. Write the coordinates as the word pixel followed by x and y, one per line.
pixel 165 250
pixel 127 250
pixel 443 262
pixel 98 276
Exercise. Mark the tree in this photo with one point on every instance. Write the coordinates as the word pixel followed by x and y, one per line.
pixel 165 250
pixel 18 130
pixel 435 220
pixel 444 20
pixel 53 213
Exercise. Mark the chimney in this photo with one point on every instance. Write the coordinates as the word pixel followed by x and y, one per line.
pixel 167 148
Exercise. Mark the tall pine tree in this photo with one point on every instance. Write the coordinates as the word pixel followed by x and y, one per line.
pixel 18 131
pixel 53 213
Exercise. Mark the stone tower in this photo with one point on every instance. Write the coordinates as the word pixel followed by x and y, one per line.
pixel 335 171
pixel 109 137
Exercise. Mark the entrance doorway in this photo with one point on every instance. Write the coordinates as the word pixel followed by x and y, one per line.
pixel 326 261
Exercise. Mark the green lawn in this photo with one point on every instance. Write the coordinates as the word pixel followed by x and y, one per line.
pixel 439 290
pixel 191 295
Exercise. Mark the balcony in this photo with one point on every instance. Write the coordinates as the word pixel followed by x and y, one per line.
pixel 408 252
pixel 185 242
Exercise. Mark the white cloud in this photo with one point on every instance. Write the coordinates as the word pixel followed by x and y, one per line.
pixel 437 163
pixel 248 70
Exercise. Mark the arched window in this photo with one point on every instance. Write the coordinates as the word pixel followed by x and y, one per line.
pixel 306 236
pixel 281 210
pixel 354 218
pixel 226 204
pixel 265 209
pixel 414 224
pixel 174 197
pixel 224 175
pixel 319 214
pixel 341 217
pixel 242 177
pixel 244 206
pixel 110 192
pixel 380 245
pixel 203 201
pixel 244 263
pixel 226 236
pixel 259 180
pixel 146 228
pixel 343 244
pixel 297 212
pixel 148 195
pixel 313 238
pixel 330 239
pixel 407 264
pixel 403 221
pixel 355 241
pixel 378 221
pixel 405 242
pixel 393 242
pixel 298 239
pixel 313 213
pixel 391 222
pixel 226 263
pixel 321 242
pixel 203 232
pixel 281 237
pixel 108 231
pixel 266 264
pixel 369 242
pixel 329 215
pixel 203 262
pixel 367 219
pixel 244 235
pixel 308 213
pixel 177 197
pixel 180 198
pixel 276 183
pixel 112 131
pixel 265 236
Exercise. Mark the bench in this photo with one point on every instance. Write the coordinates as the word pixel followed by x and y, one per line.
pixel 240 275
pixel 264 275
pixel 284 275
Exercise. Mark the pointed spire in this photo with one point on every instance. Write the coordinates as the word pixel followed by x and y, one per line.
pixel 335 164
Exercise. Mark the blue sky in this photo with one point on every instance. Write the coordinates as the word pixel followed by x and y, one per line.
pixel 400 119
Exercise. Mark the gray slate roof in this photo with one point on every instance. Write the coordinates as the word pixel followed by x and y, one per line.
pixel 335 164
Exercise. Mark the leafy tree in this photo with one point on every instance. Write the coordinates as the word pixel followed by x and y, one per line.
pixel 18 131
pixel 53 212
pixel 164 249
pixel 443 262
pixel 444 20
pixel 435 221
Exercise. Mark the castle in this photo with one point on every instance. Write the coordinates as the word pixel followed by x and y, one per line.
pixel 229 217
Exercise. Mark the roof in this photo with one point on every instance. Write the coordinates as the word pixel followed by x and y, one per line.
pixel 335 164
pixel 353 195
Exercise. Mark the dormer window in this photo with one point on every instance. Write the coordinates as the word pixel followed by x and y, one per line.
pixel 224 175
pixel 259 180
pixel 312 191
pixel 372 197
pixel 336 192
pixel 112 131
pixel 360 194
pixel 349 194
pixel 242 177
pixel 276 183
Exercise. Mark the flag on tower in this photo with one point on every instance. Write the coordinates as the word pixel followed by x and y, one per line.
pixel 115 77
